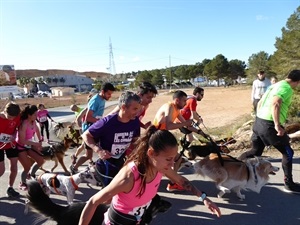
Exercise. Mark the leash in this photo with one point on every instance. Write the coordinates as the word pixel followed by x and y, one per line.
pixel 210 139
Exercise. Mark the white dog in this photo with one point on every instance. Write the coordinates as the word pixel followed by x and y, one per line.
pixel 236 175
pixel 66 185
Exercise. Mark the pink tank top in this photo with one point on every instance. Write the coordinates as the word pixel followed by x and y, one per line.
pixel 30 131
pixel 131 204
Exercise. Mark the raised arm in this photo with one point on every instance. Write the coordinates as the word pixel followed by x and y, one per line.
pixel 187 185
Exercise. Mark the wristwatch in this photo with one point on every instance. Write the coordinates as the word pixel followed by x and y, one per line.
pixel 202 197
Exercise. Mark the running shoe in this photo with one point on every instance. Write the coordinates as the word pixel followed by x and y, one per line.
pixel 174 187
pixel 73 170
pixel 12 193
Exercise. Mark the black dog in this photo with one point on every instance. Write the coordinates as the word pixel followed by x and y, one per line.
pixel 204 150
pixel 70 215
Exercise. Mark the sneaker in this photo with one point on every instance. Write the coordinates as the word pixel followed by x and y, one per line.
pixel 42 138
pixel 174 187
pixel 12 193
pixel 23 186
pixel 73 170
pixel 74 158
pixel 292 188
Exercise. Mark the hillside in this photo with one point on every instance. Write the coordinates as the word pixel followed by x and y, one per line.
pixel 37 73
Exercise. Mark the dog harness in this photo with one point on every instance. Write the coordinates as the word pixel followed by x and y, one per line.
pixel 54 182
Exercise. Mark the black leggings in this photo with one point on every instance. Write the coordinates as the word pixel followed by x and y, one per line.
pixel 264 134
pixel 45 125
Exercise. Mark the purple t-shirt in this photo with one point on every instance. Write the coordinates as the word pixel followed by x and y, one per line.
pixel 114 135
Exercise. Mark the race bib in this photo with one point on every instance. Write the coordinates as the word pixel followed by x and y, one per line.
pixel 5 138
pixel 139 211
pixel 43 119
pixel 118 150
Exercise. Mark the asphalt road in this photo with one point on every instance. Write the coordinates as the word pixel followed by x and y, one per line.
pixel 271 207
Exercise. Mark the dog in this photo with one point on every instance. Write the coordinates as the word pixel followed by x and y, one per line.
pixel 75 135
pixel 192 151
pixel 40 202
pixel 185 163
pixel 66 185
pixel 61 129
pixel 56 153
pixel 251 174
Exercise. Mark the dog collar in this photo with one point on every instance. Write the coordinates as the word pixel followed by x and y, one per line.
pixel 73 183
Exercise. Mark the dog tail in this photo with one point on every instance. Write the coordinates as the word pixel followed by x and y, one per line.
pixel 40 202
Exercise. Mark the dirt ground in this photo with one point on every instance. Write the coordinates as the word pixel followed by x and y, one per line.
pixel 219 107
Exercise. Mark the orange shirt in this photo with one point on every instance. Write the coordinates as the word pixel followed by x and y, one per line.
pixel 160 123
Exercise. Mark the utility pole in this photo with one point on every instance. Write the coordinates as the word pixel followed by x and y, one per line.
pixel 170 72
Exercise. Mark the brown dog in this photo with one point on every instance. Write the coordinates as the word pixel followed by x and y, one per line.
pixel 236 175
pixel 75 135
pixel 56 153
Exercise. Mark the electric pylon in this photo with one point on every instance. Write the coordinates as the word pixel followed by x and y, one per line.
pixel 111 68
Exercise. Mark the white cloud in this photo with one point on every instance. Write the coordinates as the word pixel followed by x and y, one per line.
pixel 121 57
pixel 261 17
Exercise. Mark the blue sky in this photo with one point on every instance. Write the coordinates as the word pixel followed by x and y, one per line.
pixel 145 34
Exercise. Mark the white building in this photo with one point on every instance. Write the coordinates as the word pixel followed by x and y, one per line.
pixel 79 82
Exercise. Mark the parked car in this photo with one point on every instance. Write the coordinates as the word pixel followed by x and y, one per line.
pixel 30 95
pixel 17 96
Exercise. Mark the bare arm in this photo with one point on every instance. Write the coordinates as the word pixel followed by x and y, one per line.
pixel 170 125
pixel 276 104
pixel 88 139
pixel 196 117
pixel 22 137
pixel 122 182
pixel 187 185
pixel 78 119
pixel 89 116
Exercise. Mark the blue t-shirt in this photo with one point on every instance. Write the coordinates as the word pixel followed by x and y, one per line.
pixel 97 105
pixel 113 135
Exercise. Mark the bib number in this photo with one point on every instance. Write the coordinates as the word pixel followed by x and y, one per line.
pixel 138 212
pixel 5 138
pixel 118 150
pixel 43 119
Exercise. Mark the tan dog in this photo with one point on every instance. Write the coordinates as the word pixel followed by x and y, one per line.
pixel 236 175
pixel 56 153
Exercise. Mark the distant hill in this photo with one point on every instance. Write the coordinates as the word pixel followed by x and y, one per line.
pixel 37 73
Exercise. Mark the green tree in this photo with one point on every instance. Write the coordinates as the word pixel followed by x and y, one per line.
pixel 217 68
pixel 48 80
pixel 256 62
pixel 157 77
pixel 236 69
pixel 55 80
pixel 143 76
pixel 62 80
pixel 287 55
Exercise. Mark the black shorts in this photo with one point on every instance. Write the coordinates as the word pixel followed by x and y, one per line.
pixel 86 146
pixel 10 153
